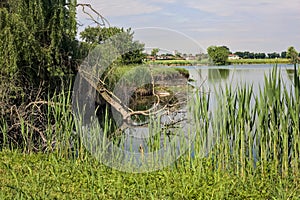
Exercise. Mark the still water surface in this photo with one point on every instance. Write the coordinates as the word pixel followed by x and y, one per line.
pixel 211 79
pixel 212 76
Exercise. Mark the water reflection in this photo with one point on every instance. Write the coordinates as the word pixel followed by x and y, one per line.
pixel 290 74
pixel 218 74
pixel 214 81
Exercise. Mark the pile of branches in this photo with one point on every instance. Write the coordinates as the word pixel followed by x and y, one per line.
pixel 27 120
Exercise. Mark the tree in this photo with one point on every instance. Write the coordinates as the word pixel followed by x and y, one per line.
pixel 251 55
pixel 38 39
pixel 259 55
pixel 283 54
pixel 218 55
pixel 93 36
pixel 154 52
pixel 240 54
pixel 292 54
pixel 225 47
pixel 38 51
pixel 273 55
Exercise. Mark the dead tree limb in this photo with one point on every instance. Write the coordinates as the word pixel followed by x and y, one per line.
pixel 116 103
pixel 103 21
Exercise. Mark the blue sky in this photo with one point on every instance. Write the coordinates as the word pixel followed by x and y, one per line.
pixel 193 25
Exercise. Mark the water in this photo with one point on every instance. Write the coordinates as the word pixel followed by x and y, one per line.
pixel 211 77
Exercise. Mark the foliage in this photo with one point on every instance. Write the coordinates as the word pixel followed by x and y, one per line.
pixel 218 55
pixel 43 176
pixel 154 52
pixel 273 55
pixel 38 39
pixel 255 156
pixel 177 62
pixel 38 55
pixel 283 54
pixel 292 54
pixel 39 125
pixel 93 36
pixel 252 55
pixel 260 61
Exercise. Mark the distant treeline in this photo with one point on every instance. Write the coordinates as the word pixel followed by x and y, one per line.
pixel 260 61
pixel 252 55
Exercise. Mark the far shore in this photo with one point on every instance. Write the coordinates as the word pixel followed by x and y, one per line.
pixel 260 61
pixel 229 62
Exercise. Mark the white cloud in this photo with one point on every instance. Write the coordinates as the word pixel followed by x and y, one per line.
pixel 164 1
pixel 252 25
pixel 231 7
pixel 113 8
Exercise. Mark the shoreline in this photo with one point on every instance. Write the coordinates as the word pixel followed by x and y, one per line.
pixel 174 63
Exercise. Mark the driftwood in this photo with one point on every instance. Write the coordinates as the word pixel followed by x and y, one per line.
pixel 126 112
pixel 116 103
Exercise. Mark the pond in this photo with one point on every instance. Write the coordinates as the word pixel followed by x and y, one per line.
pixel 213 77
pixel 141 143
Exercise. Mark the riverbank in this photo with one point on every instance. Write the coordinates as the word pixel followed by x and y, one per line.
pixel 179 62
pixel 259 61
pixel 231 164
pixel 229 62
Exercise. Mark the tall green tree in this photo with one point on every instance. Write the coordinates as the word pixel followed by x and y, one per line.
pixel 292 54
pixel 38 49
pixel 93 36
pixel 37 39
pixel 154 52
pixel 218 55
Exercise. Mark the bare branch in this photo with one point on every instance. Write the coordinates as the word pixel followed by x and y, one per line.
pixel 103 20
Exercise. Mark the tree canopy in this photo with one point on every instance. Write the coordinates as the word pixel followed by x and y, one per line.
pixel 37 39
pixel 40 55
pixel 154 52
pixel 218 55
pixel 93 36
pixel 292 54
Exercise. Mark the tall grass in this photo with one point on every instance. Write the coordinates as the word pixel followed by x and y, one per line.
pixel 41 126
pixel 247 146
pixel 245 132
pixel 255 131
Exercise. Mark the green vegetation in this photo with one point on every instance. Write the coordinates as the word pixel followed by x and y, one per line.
pixel 218 55
pixel 154 52
pixel 38 43
pixel 120 71
pixel 292 54
pixel 256 155
pixel 259 61
pixel 177 62
pixel 39 59
pixel 256 149
pixel 39 56
pixel 42 176
pixel 93 36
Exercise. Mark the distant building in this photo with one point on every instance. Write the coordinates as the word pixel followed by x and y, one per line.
pixel 233 57
pixel 175 52
pixel 191 57
pixel 151 57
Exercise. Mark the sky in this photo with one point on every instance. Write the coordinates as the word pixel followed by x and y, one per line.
pixel 190 26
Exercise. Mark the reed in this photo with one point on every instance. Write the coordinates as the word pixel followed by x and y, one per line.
pixel 255 131
pixel 246 146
